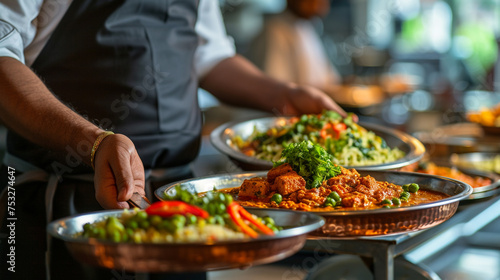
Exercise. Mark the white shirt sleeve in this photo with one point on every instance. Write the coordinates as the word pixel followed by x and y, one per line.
pixel 17 26
pixel 214 45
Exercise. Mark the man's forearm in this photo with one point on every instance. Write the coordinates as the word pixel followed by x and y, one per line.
pixel 31 110
pixel 235 79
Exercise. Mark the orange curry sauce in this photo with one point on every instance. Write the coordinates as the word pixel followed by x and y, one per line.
pixel 356 192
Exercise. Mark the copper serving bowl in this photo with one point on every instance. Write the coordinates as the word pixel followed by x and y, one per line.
pixel 372 222
pixel 221 139
pixel 186 257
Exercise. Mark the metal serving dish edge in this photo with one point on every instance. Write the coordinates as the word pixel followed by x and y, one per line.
pixel 222 135
pixel 186 257
pixel 360 222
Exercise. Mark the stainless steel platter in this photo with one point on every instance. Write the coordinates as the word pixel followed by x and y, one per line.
pixel 221 139
pixel 478 161
pixel 458 138
pixel 373 222
pixel 495 178
pixel 186 257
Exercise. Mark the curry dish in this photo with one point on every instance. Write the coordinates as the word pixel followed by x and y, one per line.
pixel 450 172
pixel 284 188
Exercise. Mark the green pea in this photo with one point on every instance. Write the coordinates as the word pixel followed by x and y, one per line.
pixel 211 209
pixel 191 219
pixel 387 201
pixel 87 227
pixel 405 187
pixel 101 233
pixel 115 236
pixel 145 224
pixel 335 195
pixel 405 196
pixel 268 220
pixel 113 224
pixel 219 220
pixel 141 215
pixel 211 220
pixel 132 224
pixel 221 197
pixel 221 208
pixel 94 232
pixel 155 220
pixel 396 201
pixel 178 221
pixel 124 237
pixel 274 229
pixel 386 206
pixel 277 198
pixel 229 199
pixel 414 188
pixel 165 225
pixel 205 200
pixel 130 232
pixel 330 202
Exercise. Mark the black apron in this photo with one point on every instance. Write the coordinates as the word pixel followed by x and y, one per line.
pixel 128 67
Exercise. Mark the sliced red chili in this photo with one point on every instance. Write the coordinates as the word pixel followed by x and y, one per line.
pixel 238 214
pixel 260 226
pixel 169 208
pixel 234 212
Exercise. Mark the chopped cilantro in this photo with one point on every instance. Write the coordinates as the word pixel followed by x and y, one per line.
pixel 310 161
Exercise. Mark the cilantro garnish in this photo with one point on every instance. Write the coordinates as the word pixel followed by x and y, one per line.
pixel 310 161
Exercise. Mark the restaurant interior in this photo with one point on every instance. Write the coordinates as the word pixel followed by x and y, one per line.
pixel 418 66
pixel 427 68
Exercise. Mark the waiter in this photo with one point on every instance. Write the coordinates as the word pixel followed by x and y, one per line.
pixel 98 95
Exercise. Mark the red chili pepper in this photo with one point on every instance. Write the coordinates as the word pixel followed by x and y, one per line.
pixel 234 213
pixel 169 208
pixel 238 214
pixel 262 227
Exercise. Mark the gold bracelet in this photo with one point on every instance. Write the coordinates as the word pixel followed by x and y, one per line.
pixel 96 146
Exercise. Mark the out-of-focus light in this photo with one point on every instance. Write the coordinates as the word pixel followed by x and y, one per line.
pixel 396 113
pixel 440 20
pixel 462 47
pixel 407 9
pixel 420 100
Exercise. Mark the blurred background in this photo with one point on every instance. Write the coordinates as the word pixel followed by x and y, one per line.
pixel 410 64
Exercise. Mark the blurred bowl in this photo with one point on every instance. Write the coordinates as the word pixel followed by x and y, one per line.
pixel 458 138
pixel 483 162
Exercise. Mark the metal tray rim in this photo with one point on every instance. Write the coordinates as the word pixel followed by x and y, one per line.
pixel 315 222
pixel 417 149
pixel 457 197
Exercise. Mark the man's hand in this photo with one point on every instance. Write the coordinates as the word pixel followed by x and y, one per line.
pixel 118 172
pixel 308 100
pixel 238 82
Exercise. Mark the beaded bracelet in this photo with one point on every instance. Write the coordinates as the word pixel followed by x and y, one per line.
pixel 96 145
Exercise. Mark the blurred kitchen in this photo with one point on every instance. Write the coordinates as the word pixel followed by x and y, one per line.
pixel 411 64
pixel 420 66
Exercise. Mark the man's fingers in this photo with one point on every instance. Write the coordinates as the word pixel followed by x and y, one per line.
pixel 123 177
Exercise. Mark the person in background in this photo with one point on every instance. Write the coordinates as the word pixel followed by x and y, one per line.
pixel 290 49
pixel 98 97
